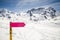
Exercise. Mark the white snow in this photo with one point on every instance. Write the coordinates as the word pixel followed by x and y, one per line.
pixel 41 30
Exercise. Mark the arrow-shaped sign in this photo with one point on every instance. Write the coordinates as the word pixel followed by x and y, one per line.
pixel 15 24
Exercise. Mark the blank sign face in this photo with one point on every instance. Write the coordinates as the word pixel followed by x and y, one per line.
pixel 17 24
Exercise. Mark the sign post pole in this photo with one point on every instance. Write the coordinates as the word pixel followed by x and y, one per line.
pixel 15 24
pixel 10 33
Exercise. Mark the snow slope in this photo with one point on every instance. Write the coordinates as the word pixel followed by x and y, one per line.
pixel 33 30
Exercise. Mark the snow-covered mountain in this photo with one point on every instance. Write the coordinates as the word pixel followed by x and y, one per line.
pixel 37 27
pixel 42 13
pixel 33 14
pixel 6 13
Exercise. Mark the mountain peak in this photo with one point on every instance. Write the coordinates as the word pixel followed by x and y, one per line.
pixel 46 13
pixel 5 13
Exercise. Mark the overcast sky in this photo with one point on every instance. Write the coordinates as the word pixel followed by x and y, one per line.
pixel 23 5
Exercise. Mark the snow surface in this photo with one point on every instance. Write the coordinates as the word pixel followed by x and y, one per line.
pixel 33 30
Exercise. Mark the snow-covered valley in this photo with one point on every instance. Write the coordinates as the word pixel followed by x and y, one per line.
pixel 33 30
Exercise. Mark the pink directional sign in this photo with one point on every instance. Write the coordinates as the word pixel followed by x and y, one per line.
pixel 17 24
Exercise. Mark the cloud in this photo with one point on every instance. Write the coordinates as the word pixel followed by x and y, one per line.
pixel 54 5
pixel 30 2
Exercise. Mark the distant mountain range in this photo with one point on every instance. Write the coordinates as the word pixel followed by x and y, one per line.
pixel 34 14
pixel 6 13
pixel 43 13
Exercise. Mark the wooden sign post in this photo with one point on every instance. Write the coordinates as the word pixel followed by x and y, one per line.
pixel 10 33
pixel 15 24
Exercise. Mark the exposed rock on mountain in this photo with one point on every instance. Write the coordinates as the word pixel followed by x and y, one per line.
pixel 42 13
